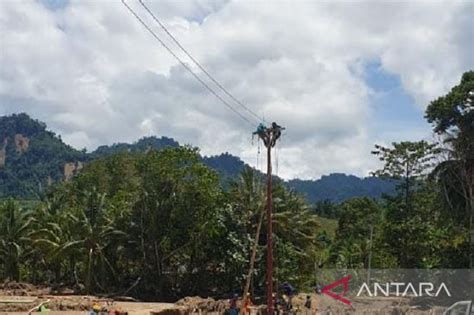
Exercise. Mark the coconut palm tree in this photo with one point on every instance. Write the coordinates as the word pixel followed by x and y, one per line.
pixel 14 239
pixel 53 235
pixel 96 231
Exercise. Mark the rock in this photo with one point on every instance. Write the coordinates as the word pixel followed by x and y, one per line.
pixel 71 169
pixel 170 311
pixel 22 143
pixel 3 153
pixel 196 303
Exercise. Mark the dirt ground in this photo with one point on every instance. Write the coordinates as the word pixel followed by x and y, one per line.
pixel 83 305
pixel 19 298
pixel 324 305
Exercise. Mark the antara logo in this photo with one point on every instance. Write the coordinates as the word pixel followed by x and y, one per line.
pixel 340 297
pixel 398 289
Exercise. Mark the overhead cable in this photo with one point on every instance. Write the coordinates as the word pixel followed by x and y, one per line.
pixel 186 66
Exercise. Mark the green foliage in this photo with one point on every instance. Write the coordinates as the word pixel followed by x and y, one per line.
pixel 425 225
pixel 26 174
pixel 29 174
pixel 141 145
pixel 453 111
pixel 405 160
pixel 14 239
pixel 359 218
pixel 452 117
pixel 161 218
pixel 408 162
pixel 327 209
pixel 337 188
pixel 296 230
pixel 413 233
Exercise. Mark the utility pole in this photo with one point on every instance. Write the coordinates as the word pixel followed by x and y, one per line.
pixel 370 253
pixel 269 233
pixel 269 136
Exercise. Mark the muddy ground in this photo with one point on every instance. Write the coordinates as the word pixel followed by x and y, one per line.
pixel 20 298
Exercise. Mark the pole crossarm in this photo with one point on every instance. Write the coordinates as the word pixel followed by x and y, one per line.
pixel 269 135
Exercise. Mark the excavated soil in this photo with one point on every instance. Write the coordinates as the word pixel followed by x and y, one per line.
pixel 21 289
pixel 22 297
pixel 196 303
pixel 324 305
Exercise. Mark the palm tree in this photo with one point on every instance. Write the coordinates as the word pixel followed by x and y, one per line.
pixel 14 239
pixel 96 230
pixel 296 234
pixel 54 236
pixel 249 202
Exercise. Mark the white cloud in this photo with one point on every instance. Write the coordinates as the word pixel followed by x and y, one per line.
pixel 97 77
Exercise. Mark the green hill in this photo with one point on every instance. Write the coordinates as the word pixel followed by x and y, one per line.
pixel 140 146
pixel 32 158
pixel 338 187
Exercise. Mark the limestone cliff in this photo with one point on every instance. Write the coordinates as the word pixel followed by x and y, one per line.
pixel 3 153
pixel 21 143
pixel 71 169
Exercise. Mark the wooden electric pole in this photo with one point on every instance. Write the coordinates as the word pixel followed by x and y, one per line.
pixel 269 136
pixel 269 233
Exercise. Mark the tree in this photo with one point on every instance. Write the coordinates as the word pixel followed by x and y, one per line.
pixel 53 235
pixel 296 230
pixel 452 117
pixel 406 161
pixel 158 220
pixel 360 217
pixel 405 217
pixel 176 213
pixel 248 202
pixel 14 238
pixel 327 209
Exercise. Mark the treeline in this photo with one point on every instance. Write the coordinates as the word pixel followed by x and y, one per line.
pixel 160 221
pixel 428 223
pixel 159 216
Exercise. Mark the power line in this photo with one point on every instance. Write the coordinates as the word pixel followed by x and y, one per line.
pixel 198 64
pixel 186 66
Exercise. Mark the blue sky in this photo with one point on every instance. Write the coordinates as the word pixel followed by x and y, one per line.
pixel 395 112
pixel 54 4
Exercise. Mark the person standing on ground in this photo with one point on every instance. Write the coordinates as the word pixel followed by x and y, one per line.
pixel 247 304
pixel 307 304
pixel 233 305
pixel 289 291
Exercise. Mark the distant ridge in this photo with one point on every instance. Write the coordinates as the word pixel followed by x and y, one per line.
pixel 338 187
pixel 139 146
pixel 31 158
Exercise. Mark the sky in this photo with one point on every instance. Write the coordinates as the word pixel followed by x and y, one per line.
pixel 339 75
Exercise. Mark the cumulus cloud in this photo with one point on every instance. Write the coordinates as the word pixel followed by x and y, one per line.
pixel 96 76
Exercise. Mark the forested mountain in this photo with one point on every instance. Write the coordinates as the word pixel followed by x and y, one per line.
pixel 32 158
pixel 339 187
pixel 139 146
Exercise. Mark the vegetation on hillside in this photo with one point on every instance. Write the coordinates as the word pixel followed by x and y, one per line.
pixel 28 174
pixel 33 157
